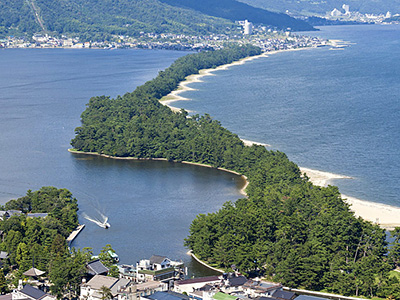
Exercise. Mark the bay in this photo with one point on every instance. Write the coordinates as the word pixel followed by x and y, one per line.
pixel 150 205
pixel 329 109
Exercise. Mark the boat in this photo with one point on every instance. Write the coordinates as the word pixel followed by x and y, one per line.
pixel 105 224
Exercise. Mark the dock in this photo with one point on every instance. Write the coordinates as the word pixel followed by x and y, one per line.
pixel 74 234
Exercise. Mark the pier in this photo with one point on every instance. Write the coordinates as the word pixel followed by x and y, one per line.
pixel 74 234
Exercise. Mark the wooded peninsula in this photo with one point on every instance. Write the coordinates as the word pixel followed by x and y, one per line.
pixel 287 229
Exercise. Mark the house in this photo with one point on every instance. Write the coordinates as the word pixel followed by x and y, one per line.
pixel 29 292
pixel 256 288
pixel 283 295
pixel 127 271
pixel 96 267
pixel 92 290
pixel 233 283
pixel 188 286
pixel 158 268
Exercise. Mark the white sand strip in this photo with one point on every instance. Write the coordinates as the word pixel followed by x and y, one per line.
pixel 321 178
pixel 386 216
pixel 183 86
pixel 250 143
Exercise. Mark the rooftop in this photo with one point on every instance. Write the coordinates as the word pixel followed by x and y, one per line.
pixel 157 259
pixel 33 292
pixel 96 267
pixel 198 280
pixel 100 280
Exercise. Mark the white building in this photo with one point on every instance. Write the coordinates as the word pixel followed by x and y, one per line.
pixel 248 27
pixel 336 13
pixel 92 290
pixel 158 268
pixel 346 9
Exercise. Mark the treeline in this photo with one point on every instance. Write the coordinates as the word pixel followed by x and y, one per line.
pixel 41 241
pixel 288 229
pixel 138 125
pixel 102 20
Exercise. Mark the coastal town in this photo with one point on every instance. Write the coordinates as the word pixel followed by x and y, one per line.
pixel 156 278
pixel 267 39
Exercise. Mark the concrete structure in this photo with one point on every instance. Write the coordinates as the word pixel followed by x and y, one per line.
pixel 248 27
pixel 346 9
pixel 158 268
pixel 335 13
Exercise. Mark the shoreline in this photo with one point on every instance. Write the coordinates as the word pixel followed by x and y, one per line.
pixel 242 190
pixel 183 86
pixel 386 216
pixel 190 252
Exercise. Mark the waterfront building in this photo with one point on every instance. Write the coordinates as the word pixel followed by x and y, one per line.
pixel 158 268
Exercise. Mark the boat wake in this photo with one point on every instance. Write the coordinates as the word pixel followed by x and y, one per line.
pixel 103 222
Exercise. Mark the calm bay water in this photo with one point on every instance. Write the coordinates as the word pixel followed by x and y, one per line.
pixel 150 205
pixel 331 110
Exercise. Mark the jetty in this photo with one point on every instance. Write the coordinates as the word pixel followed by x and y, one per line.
pixel 74 234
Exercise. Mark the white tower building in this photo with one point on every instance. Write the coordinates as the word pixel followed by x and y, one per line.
pixel 346 9
pixel 248 27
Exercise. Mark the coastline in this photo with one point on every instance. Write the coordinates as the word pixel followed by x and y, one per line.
pixel 183 86
pixel 386 216
pixel 190 252
pixel 242 190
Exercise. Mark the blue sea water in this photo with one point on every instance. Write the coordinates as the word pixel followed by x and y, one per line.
pixel 331 110
pixel 334 110
pixel 149 205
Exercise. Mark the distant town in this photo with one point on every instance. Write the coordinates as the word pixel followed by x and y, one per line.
pixel 265 38
pixel 345 14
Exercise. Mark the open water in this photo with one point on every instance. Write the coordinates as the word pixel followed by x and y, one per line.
pixel 334 110
pixel 150 205
pixel 331 110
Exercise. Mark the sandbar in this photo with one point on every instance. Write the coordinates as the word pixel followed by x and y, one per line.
pixel 386 216
pixel 184 85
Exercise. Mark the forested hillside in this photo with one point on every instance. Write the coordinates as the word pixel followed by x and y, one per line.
pixel 98 20
pixel 287 229
pixel 234 10
pixel 320 7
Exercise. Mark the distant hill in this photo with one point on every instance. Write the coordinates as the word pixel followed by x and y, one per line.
pixel 234 10
pixel 93 19
pixel 322 6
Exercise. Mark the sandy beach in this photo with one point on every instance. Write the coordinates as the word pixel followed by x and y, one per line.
pixel 386 216
pixel 184 85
